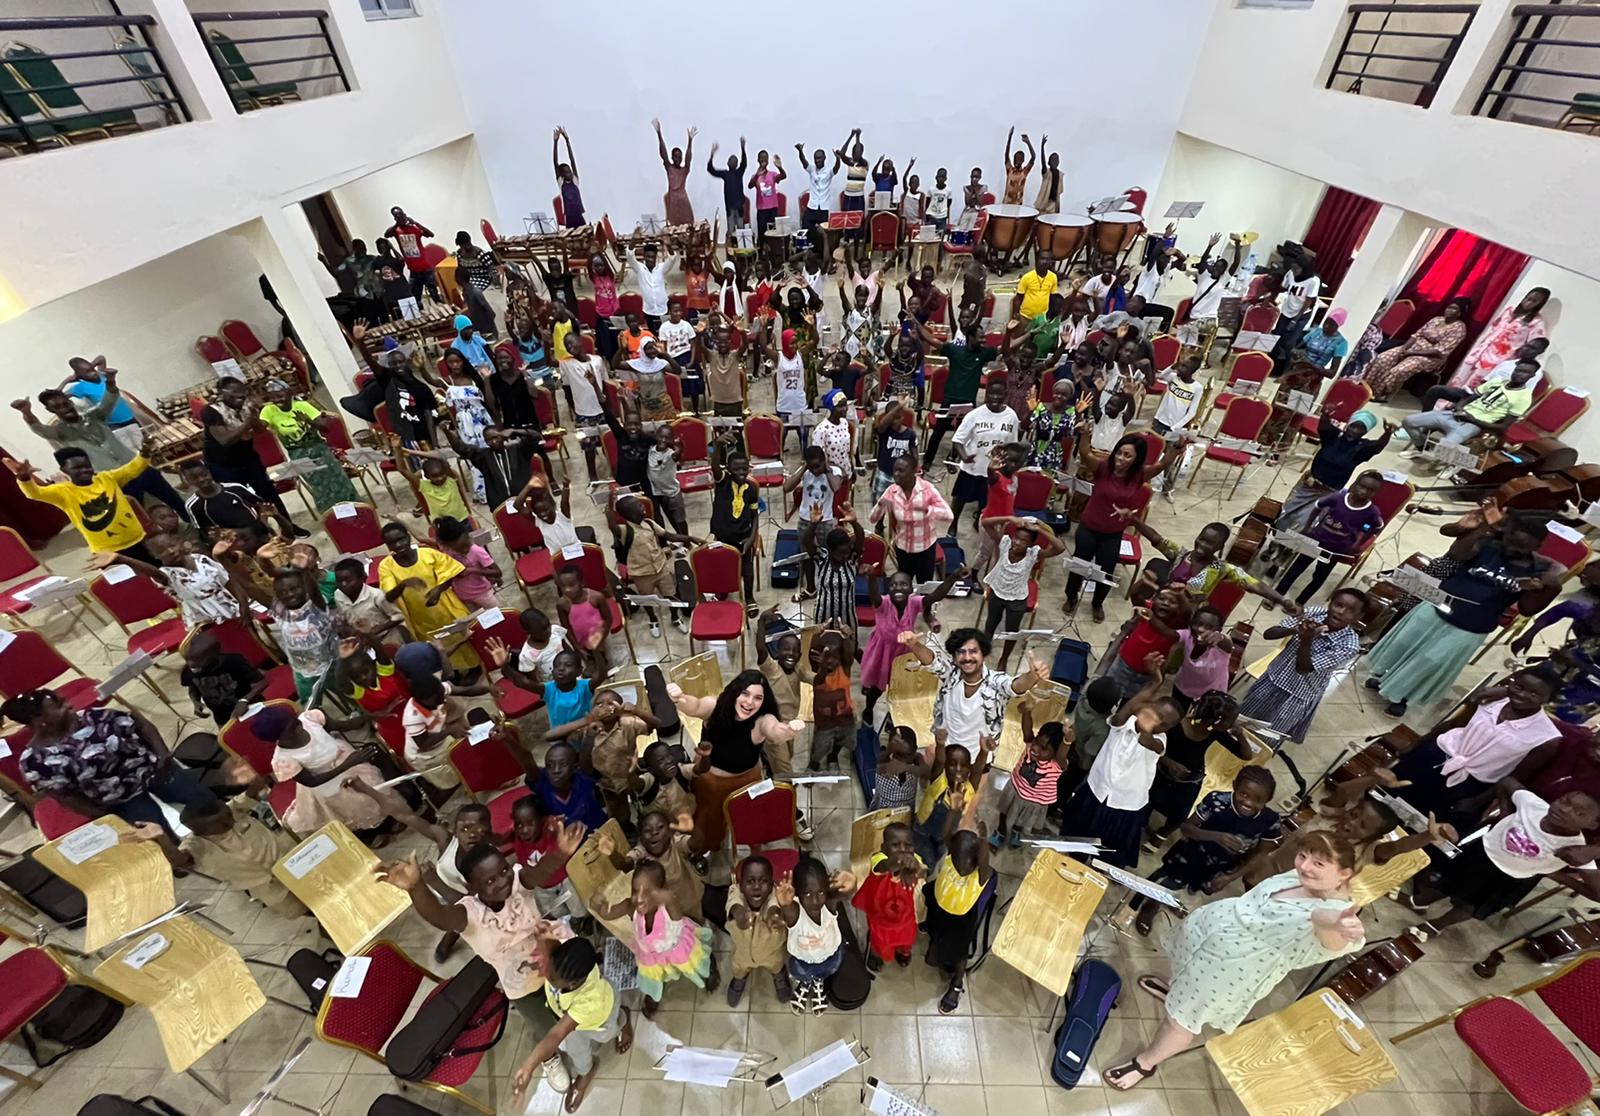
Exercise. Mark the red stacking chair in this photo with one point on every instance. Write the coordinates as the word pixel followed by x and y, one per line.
pixel 488 232
pixel 366 1021
pixel 241 339
pixel 1035 487
pixel 716 572
pixel 1165 349
pixel 1344 398
pixel 526 544
pixel 1259 319
pixel 1396 316
pixel 32 977
pixel 598 577
pixel 884 231
pixel 938 375
pixel 239 739
pixel 630 303
pixel 1248 368
pixel 211 349
pixel 487 769
pixel 339 441
pixel 953 249
pixel 694 435
pixel 1552 414
pixel 132 598
pixel 1530 1060
pixel 28 661
pixel 16 560
pixel 873 552
pixel 271 452
pixel 608 444
pixel 354 528
pixel 763 437
pixel 1243 420
pixel 758 821
pixel 674 384
pixel 586 313
pixel 513 700
pixel 544 409
pixel 12 781
pixel 234 637
pixel 1181 315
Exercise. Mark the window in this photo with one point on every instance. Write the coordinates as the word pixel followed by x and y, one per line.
pixel 387 9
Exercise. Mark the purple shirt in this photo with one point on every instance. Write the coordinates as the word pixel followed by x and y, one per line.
pixel 1339 528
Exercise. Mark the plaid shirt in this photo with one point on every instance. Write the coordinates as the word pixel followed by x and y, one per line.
pixel 1329 652
pixel 919 518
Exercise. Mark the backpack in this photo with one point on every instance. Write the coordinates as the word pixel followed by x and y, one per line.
pixel 76 1019
pixel 104 1104
pixel 466 1001
pixel 313 972
pixel 1095 988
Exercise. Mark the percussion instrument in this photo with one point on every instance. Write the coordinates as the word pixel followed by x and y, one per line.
pixel 1009 227
pixel 1114 232
pixel 1062 234
pixel 1551 945
pixel 1375 968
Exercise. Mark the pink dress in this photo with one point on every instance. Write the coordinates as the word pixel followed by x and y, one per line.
pixel 605 296
pixel 1500 342
pixel 474 587
pixel 884 643
pixel 584 621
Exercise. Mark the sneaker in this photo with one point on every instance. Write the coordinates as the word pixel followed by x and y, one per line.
pixel 803 830
pixel 655 631
pixel 681 624
pixel 557 1075
pixel 1411 454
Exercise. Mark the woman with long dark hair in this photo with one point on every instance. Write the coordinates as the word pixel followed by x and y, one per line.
pixel 737 725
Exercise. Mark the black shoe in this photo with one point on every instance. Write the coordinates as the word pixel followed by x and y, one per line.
pixel 1396 708
pixel 298 532
pixel 1373 683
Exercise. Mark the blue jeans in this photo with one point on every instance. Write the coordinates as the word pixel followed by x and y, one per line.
pixel 1455 432
pixel 175 786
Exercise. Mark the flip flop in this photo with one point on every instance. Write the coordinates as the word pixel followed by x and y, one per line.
pixel 1126 1070
pixel 1156 987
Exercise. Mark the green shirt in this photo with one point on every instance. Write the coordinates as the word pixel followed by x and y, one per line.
pixel 966 368
pixel 1496 401
pixel 90 434
pixel 1044 331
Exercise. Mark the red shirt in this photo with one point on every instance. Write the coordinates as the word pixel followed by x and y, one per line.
pixel 1109 492
pixel 410 237
pixel 529 852
pixel 1002 495
pixel 1143 639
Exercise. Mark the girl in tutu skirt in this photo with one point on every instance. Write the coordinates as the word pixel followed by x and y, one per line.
pixel 667 943
pixel 1113 803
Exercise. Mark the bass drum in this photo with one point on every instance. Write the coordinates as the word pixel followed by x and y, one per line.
pixel 1114 232
pixel 1062 234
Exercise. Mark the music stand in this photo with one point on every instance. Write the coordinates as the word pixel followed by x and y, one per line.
pixel 716 1069
pixel 269 1091
pixel 886 1100
pixel 805 1079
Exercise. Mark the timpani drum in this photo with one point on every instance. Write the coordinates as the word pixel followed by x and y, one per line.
pixel 1062 234
pixel 1115 231
pixel 1010 226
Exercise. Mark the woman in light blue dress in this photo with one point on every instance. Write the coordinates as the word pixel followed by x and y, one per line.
pixel 1230 953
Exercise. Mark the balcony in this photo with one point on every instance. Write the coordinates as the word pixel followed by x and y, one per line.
pixel 68 80
pixel 1548 73
pixel 272 57
pixel 1399 52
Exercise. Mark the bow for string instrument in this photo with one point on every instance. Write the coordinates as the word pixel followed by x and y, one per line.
pixel 1543 944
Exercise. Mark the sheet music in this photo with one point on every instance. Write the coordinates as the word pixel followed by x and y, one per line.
pixel 1409 579
pixel 619 966
pixel 1138 884
pixel 888 1101
pixel 124 672
pixel 1087 570
pixel 696 1065
pixel 229 368
pixel 146 951
pixel 1450 453
pixel 815 1070
pixel 1297 543
pixel 1188 334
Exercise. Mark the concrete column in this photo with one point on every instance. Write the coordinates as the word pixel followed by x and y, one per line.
pixel 289 261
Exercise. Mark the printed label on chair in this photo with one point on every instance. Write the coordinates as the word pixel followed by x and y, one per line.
pixel 146 951
pixel 344 511
pixel 351 976
pixel 117 574
pixel 86 841
pixel 489 617
pixel 307 857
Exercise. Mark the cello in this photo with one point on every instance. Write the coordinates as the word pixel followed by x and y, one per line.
pixel 1544 945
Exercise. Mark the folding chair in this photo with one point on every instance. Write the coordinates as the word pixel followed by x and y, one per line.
pixel 492 774
pixel 512 699
pixel 1243 420
pixel 716 571
pixel 597 576
pixel 354 528
pixel 531 561
pixel 757 821
pixel 1248 369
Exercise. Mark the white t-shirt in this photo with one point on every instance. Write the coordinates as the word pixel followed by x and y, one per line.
pixel 1124 769
pixel 1179 402
pixel 1008 579
pixel 791 381
pixel 1148 283
pixel 1209 293
pixel 418 721
pixel 1095 287
pixel 540 662
pixel 911 205
pixel 980 431
pixel 652 284
pixel 938 204
pixel 574 373
pixel 963 715
pixel 1106 433
pixel 821 188
pixel 816 494
pixel 678 337
pixel 1520 848
pixel 1298 295
pixel 558 534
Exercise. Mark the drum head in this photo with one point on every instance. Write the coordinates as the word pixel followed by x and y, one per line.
pixel 1066 220
pixel 1010 211
pixel 1116 218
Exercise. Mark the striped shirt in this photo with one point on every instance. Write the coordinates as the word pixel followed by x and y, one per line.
pixel 1035 780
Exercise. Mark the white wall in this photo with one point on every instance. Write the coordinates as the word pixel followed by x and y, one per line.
pixel 445 189
pixel 940 80
pixel 144 321
pixel 1259 91
pixel 1239 192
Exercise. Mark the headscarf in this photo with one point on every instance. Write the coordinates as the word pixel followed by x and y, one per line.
pixel 272 722
pixel 462 322
pixel 832 399
pixel 787 342
pixel 730 297
pixel 1338 315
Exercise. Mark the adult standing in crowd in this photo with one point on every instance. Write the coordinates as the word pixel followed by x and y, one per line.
pixel 1511 329
pixel 231 424
pixel 409 234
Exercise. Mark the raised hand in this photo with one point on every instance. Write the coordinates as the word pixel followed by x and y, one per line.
pixel 605 843
pixel 684 823
pixel 570 837
pixel 497 652
pixel 1443 831
pixel 842 880
pixel 404 874
pixel 22 405
pixel 783 890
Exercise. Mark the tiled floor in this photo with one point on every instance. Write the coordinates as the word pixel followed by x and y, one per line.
pixel 990 1056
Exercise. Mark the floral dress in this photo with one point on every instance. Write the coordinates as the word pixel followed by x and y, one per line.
pixel 1500 342
pixel 1051 432
pixel 1231 952
pixel 1392 367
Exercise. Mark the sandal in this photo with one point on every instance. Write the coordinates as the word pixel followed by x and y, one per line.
pixel 625 1035
pixel 950 1000
pixel 803 596
pixel 1156 987
pixel 1125 1071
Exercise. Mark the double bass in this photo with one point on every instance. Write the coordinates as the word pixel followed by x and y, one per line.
pixel 1550 945
pixel 1255 529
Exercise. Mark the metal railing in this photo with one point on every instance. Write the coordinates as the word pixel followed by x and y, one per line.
pixel 42 104
pixel 1547 75
pixel 1391 32
pixel 301 64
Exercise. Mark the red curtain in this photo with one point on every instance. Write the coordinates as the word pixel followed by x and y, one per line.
pixel 1336 232
pixel 1462 265
pixel 37 523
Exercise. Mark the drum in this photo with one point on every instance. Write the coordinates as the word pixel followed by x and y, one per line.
pixel 1061 234
pixel 1115 231
pixel 1010 226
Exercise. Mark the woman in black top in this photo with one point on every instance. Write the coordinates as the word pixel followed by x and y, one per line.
pixel 735 514
pixel 737 726
pixel 1182 767
pixel 231 424
pixel 633 452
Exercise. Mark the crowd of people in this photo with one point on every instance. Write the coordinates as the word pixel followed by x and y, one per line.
pixel 386 682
